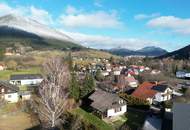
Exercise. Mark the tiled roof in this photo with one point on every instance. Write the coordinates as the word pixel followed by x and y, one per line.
pixel 144 91
pixel 130 79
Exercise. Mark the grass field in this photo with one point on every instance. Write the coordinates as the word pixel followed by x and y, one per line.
pixel 5 74
pixel 100 124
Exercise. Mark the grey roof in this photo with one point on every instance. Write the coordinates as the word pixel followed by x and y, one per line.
pixel 181 116
pixel 11 87
pixel 25 76
pixel 103 100
pixel 160 88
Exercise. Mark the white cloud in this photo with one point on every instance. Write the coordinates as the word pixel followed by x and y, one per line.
pixel 173 23
pixel 106 42
pixel 146 16
pixel 37 14
pixel 41 15
pixel 71 10
pixel 97 3
pixel 4 8
pixel 99 19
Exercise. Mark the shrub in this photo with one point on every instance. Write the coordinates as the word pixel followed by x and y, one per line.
pixel 135 102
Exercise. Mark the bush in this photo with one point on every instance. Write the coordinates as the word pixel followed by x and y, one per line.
pixel 135 102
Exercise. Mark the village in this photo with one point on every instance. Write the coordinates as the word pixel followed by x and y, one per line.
pixel 118 97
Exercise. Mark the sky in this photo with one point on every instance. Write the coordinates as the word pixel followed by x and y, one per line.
pixel 105 24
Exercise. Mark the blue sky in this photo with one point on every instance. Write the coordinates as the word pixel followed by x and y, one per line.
pixel 131 24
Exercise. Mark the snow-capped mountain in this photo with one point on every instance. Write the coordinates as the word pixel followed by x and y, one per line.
pixel 31 26
pixel 25 31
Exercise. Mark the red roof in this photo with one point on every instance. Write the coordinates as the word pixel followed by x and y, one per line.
pixel 144 91
pixel 130 79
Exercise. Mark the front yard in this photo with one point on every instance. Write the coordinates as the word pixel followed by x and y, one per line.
pixel 11 118
pixel 100 124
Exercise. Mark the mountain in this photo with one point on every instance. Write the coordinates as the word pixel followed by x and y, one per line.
pixel 146 51
pixel 152 51
pixel 183 53
pixel 16 29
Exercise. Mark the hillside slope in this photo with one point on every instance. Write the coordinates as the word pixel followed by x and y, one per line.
pixel 146 51
pixel 25 31
pixel 183 53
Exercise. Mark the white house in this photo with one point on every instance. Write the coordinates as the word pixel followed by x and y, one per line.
pixel 180 74
pixel 9 92
pixel 2 67
pixel 105 73
pixel 26 79
pixel 107 104
pixel 163 93
pixel 131 81
pixel 153 92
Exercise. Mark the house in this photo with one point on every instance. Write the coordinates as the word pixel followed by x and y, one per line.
pixel 153 92
pixel 105 73
pixel 141 68
pixel 182 74
pixel 131 81
pixel 164 93
pixel 26 79
pixel 117 71
pixel 155 72
pixel 9 92
pixel 26 95
pixel 107 105
pixel 2 67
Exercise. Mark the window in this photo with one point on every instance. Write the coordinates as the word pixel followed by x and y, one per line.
pixel 121 101
pixel 9 96
pixel 117 109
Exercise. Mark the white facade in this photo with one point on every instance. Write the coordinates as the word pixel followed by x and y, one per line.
pixel 11 97
pixel 26 81
pixel 133 84
pixel 187 75
pixel 105 73
pixel 117 111
pixel 117 72
pixel 165 96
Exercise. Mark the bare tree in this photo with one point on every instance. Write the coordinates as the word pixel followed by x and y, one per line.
pixel 53 97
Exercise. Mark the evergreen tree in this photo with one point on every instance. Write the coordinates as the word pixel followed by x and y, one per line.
pixel 99 76
pixel 70 62
pixel 88 85
pixel 74 88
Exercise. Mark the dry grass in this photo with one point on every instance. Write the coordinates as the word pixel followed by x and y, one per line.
pixel 18 121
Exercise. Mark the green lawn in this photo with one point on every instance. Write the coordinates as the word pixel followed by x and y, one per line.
pixel 118 123
pixel 5 74
pixel 100 124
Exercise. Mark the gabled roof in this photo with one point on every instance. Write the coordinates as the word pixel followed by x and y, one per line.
pixel 144 91
pixel 160 88
pixel 11 87
pixel 149 89
pixel 25 76
pixel 130 79
pixel 103 100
